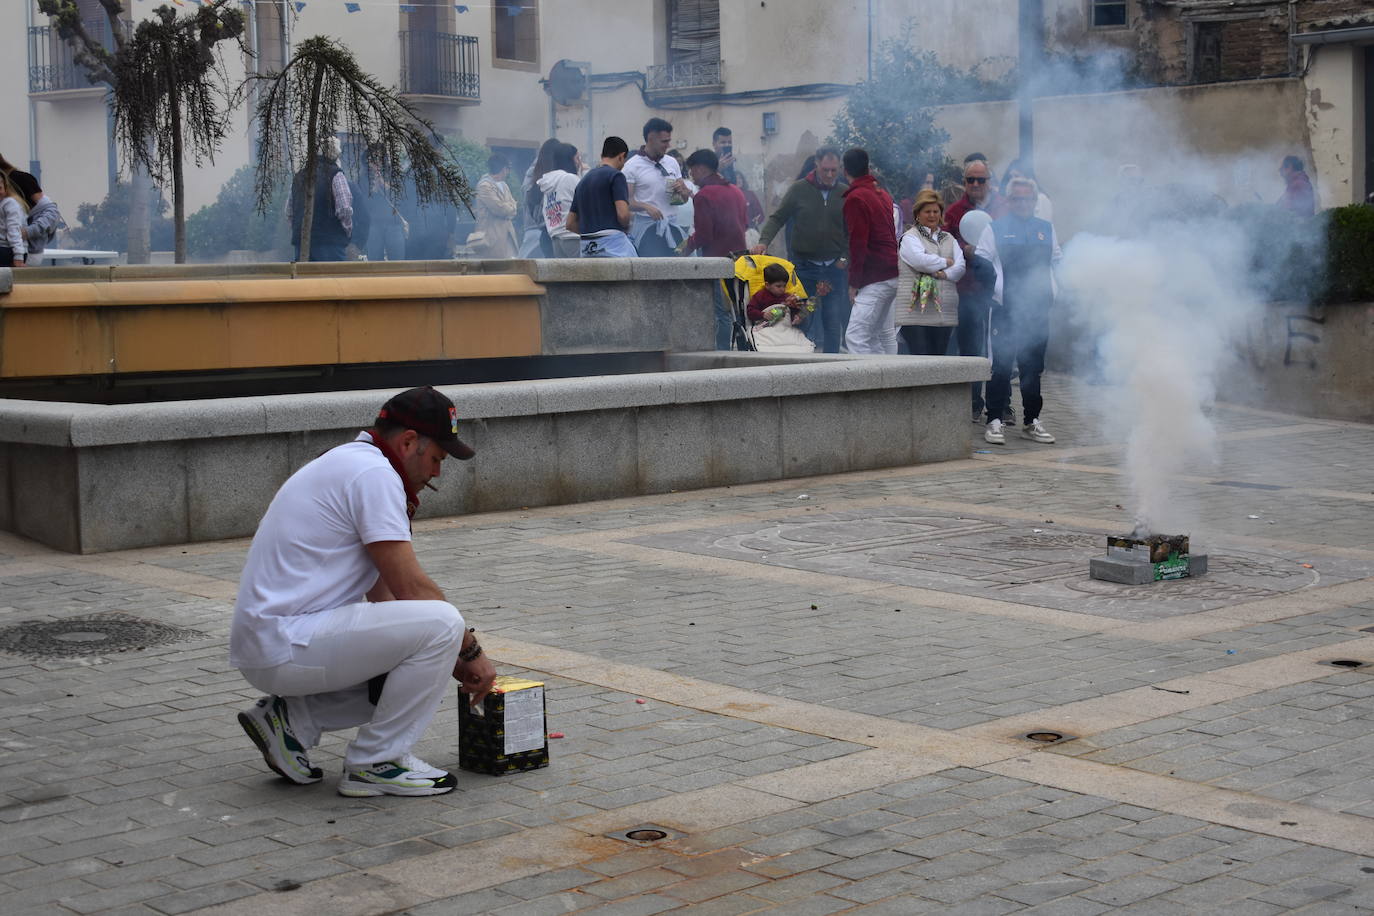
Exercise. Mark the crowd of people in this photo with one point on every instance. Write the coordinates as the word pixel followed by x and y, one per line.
pixel 968 271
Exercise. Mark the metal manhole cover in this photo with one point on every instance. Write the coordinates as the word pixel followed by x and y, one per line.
pixel 1046 736
pixel 645 834
pixel 94 634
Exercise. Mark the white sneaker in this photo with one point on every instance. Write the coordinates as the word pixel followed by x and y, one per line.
pixel 267 723
pixel 394 777
pixel 420 768
pixel 993 433
pixel 1036 433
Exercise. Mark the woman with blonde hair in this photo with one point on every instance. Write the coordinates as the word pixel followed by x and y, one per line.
pixel 14 211
pixel 929 263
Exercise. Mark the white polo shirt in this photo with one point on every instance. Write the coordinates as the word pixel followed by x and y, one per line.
pixel 649 180
pixel 310 551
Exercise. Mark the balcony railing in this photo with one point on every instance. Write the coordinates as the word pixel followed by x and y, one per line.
pixel 52 62
pixel 696 74
pixel 437 63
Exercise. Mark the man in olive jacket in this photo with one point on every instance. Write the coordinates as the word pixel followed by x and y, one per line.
pixel 814 204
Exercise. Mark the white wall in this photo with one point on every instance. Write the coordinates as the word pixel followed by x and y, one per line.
pixel 1335 117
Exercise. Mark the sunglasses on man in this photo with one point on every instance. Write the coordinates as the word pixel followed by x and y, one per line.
pixel 971 179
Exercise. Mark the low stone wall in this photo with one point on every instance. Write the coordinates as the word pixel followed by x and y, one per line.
pixel 88 478
pixel 97 320
pixel 1288 356
pixel 1310 360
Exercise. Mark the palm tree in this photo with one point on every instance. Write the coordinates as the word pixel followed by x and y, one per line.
pixel 165 84
pixel 322 89
pixel 168 87
pixel 97 60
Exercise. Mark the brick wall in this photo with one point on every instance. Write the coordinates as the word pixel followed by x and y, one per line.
pixel 1310 11
pixel 1253 48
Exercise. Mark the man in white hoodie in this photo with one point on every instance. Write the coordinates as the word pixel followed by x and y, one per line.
pixel 558 185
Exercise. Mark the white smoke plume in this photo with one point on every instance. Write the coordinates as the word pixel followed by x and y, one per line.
pixel 1163 310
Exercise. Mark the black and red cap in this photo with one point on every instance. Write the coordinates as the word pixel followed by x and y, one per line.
pixel 430 414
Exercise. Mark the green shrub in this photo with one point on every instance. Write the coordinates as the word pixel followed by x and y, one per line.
pixel 233 223
pixel 1283 248
pixel 105 226
pixel 1350 254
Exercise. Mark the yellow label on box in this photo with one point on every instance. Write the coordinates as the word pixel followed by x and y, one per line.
pixel 505 683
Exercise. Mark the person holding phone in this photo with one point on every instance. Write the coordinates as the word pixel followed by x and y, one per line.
pixel 723 144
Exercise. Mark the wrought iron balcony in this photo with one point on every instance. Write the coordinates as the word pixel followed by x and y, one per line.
pixel 52 62
pixel 440 64
pixel 696 74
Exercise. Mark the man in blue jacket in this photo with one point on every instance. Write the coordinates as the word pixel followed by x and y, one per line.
pixel 1023 250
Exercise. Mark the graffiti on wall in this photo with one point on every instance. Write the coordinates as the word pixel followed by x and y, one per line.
pixel 1306 331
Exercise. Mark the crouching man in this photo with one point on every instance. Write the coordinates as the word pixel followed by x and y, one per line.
pixel 336 621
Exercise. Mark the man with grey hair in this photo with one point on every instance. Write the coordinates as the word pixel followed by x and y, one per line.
pixel 1024 251
pixel 331 228
pixel 814 207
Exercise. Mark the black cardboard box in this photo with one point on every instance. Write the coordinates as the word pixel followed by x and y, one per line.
pixel 508 733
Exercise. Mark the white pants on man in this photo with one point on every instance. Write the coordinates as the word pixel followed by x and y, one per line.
pixel 415 643
pixel 872 324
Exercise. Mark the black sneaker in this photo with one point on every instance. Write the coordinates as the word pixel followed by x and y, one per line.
pixel 408 776
pixel 267 724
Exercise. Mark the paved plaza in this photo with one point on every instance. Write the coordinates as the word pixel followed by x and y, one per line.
pixel 817 688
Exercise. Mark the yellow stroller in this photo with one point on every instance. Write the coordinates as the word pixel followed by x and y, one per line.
pixel 749 280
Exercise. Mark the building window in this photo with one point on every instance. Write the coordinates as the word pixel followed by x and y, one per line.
pixel 693 31
pixel 1207 52
pixel 1108 13
pixel 693 48
pixel 515 32
pixel 52 60
pixel 269 37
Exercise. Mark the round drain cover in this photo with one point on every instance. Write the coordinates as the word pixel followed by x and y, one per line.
pixel 94 634
pixel 1344 663
pixel 646 836
pixel 1045 736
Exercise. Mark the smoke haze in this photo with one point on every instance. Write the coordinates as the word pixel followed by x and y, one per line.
pixel 1157 293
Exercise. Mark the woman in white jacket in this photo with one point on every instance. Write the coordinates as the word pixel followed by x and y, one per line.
pixel 14 211
pixel 558 184
pixel 929 263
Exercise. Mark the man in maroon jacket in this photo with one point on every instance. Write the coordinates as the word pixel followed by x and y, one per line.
pixel 872 229
pixel 719 220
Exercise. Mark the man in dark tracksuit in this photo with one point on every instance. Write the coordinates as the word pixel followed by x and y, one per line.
pixel 1024 251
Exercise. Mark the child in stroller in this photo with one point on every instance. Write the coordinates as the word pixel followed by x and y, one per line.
pixel 776 308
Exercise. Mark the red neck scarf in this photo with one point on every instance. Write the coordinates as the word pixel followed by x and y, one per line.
pixel 412 492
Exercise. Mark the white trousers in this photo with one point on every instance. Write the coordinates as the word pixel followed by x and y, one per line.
pixel 415 643
pixel 872 324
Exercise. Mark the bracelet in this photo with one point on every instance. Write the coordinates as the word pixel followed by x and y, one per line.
pixel 468 655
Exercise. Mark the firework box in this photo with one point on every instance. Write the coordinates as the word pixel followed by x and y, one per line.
pixel 507 733
pixel 1136 561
